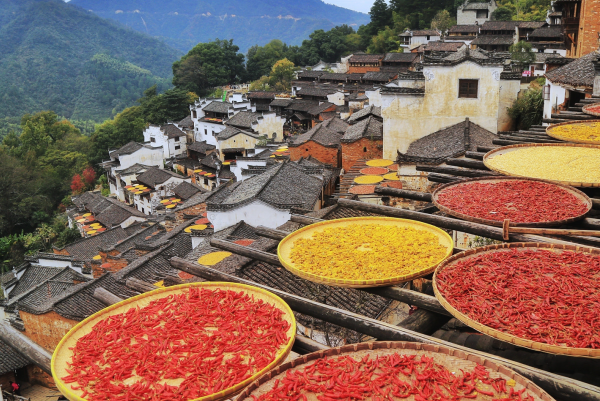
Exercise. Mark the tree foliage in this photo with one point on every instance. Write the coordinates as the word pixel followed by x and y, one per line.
pixel 528 109
pixel 522 53
pixel 443 21
pixel 280 78
pixel 385 41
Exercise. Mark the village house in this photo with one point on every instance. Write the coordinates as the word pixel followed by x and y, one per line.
pixel 107 211
pixel 267 199
pixel 187 126
pixel 265 124
pixel 160 183
pixel 133 153
pixel 475 13
pixel 362 140
pixel 399 62
pixel 548 40
pixel 580 24
pixel 462 33
pixel 500 35
pixel 321 142
pixel 172 139
pixel 411 39
pixel 568 85
pixel 260 100
pixel 361 63
pixel 436 148
pixel 467 83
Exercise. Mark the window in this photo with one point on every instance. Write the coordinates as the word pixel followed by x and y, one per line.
pixel 205 132
pixel 194 114
pixel 365 149
pixel 428 37
pixel 177 147
pixel 482 13
pixel 467 88
pixel 176 139
pixel 152 139
pixel 206 181
pixel 546 92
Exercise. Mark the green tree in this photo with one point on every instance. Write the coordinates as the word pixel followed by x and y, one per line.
pixel 502 14
pixel 522 54
pixel 209 65
pixel 528 109
pixel 261 59
pixel 381 16
pixel 279 79
pixel 385 41
pixel 173 105
pixel 442 22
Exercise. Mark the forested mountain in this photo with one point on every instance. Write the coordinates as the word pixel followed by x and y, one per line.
pixel 56 56
pixel 184 23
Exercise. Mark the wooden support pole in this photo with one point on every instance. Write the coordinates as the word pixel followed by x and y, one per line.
pixel 304 345
pixel 298 218
pixel 423 301
pixel 442 178
pixel 139 285
pixel 457 171
pixel 591 223
pixel 271 233
pixel 508 231
pixel 26 347
pixel 106 297
pixel 424 322
pixel 560 387
pixel 468 163
pixel 595 203
pixel 485 149
pixel 475 155
pixel 404 193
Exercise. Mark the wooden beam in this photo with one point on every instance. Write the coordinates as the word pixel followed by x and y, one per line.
pixel 468 163
pixel 106 297
pixel 297 218
pixel 486 149
pixel 396 293
pixel 457 171
pixel 591 223
pixel 595 203
pixel 139 285
pixel 271 233
pixel 26 347
pixel 424 322
pixel 304 345
pixel 475 155
pixel 560 387
pixel 403 193
pixel 442 178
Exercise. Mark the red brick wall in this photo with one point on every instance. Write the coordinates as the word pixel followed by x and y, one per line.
pixel 38 376
pixel 319 152
pixel 362 70
pixel 47 329
pixel 590 26
pixel 352 152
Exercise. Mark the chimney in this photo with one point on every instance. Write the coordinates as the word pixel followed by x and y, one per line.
pixel 467 135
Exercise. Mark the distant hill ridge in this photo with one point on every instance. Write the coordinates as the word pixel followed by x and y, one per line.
pixel 57 56
pixel 184 23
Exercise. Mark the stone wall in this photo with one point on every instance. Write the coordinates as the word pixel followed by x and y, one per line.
pixel 47 329
pixel 590 26
pixel 323 154
pixel 364 148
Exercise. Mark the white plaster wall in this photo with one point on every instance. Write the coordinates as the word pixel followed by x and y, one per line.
pixel 132 220
pixel 206 131
pixel 197 241
pixel 270 123
pixel 420 40
pixel 374 98
pixel 53 263
pixel 256 213
pixel 558 95
pixel 509 91
pixel 172 143
pixel 154 132
pixel 245 164
pixel 407 118
pixel 148 157
pixel 338 98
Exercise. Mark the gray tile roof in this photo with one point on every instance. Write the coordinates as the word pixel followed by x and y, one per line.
pixel 282 186
pixel 86 248
pixel 547 32
pixel 187 122
pixel 400 57
pixel 476 6
pixel 171 131
pixel 33 276
pixel 136 168
pixel 336 124
pixel 317 92
pixel 494 40
pixel 331 76
pixel 233 131
pixel 579 73
pixel 438 46
pixel 260 95
pixel 449 142
pixel 319 134
pixel 201 147
pixel 365 58
pixel 370 128
pixel 217 106
pixel 129 148
pixel 243 119
pixel 426 32
pixel 10 360
pixel 499 26
pixel 464 29
pixel 318 109
pixel 375 76
pixel 281 102
pixel 186 190
pixel 364 113
pixel 310 74
pixel 155 176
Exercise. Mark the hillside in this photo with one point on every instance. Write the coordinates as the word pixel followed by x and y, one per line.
pixel 56 56
pixel 184 23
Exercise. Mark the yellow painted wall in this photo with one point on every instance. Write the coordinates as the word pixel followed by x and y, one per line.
pixel 269 124
pixel 407 118
pixel 238 141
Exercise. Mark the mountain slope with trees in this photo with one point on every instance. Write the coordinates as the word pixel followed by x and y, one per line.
pixel 184 23
pixel 56 56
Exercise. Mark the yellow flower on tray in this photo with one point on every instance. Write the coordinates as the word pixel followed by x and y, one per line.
pixel 391 177
pixel 379 163
pixel 368 179
pixel 367 252
pixel 585 132
pixel 198 227
pixel 213 258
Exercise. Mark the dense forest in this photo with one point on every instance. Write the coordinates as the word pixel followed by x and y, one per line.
pixel 184 23
pixel 57 56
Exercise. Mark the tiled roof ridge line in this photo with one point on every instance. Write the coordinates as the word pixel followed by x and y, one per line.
pixel 136 264
pixel 86 238
pixel 113 246
pixel 80 288
pixel 32 289
pixel 266 184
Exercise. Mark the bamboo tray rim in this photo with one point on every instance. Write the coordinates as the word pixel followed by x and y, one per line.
pixel 362 283
pixel 566 138
pixel 269 297
pixel 582 196
pixel 492 153
pixel 501 335
pixel 591 113
pixel 531 387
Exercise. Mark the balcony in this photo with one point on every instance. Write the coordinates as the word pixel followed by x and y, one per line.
pixel 570 21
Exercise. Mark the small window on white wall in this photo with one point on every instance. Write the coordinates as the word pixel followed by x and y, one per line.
pixel 546 92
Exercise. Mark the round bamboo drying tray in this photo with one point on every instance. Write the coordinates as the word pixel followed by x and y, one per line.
pixel 580 195
pixel 62 353
pixel 454 360
pixel 509 338
pixel 550 132
pixel 586 109
pixel 511 148
pixel 285 247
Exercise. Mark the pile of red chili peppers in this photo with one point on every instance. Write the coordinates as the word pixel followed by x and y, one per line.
pixel 520 201
pixel 388 377
pixel 541 295
pixel 179 347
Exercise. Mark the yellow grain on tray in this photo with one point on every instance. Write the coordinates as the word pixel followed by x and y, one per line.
pixel 368 179
pixel 578 131
pixel 367 252
pixel 555 163
pixel 211 259
pixel 379 163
